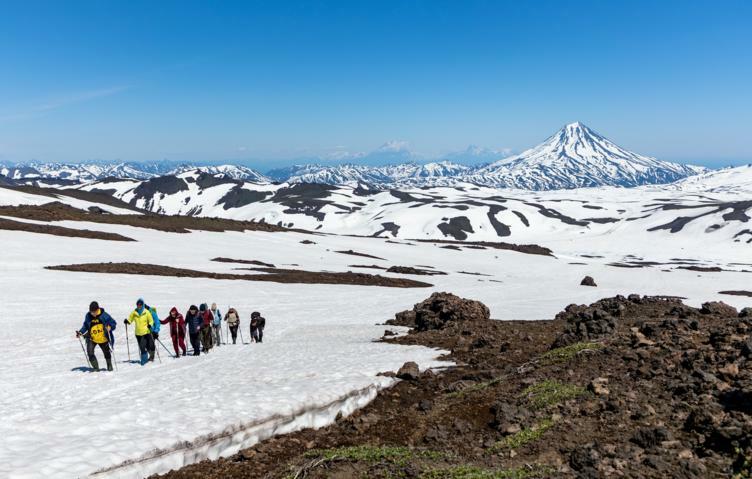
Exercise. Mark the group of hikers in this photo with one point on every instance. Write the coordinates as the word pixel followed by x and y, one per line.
pixel 202 325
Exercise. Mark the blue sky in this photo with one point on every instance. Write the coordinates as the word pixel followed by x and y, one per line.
pixel 267 82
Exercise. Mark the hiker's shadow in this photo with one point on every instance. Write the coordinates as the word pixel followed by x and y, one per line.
pixel 82 369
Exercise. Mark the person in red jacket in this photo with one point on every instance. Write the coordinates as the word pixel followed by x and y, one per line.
pixel 177 330
pixel 206 331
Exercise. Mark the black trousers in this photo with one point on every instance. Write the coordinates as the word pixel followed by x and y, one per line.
pixel 234 333
pixel 91 346
pixel 146 345
pixel 257 334
pixel 195 343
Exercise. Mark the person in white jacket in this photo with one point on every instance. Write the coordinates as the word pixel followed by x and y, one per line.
pixel 216 325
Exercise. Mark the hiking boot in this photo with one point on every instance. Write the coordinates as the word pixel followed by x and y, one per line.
pixel 94 364
pixel 109 364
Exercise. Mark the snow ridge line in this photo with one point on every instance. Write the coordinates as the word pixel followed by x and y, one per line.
pixel 235 438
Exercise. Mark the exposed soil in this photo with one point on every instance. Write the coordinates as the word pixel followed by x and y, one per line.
pixel 243 261
pixel 355 253
pixel 636 387
pixel 274 275
pixel 56 211
pixel 6 224
pixel 702 269
pixel 521 248
pixel 737 293
pixel 411 270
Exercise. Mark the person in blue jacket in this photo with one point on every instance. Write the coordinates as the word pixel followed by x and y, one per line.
pixel 193 323
pixel 98 328
pixel 154 330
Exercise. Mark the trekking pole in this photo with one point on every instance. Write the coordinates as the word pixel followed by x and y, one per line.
pixel 242 340
pixel 112 350
pixel 157 349
pixel 227 333
pixel 84 350
pixel 165 347
pixel 114 359
pixel 128 342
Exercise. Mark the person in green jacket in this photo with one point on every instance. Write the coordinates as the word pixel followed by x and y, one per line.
pixel 144 322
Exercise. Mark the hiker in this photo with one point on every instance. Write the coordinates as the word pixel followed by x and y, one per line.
pixel 206 329
pixel 257 327
pixel 233 322
pixel 216 325
pixel 177 330
pixel 193 322
pixel 143 320
pixel 154 329
pixel 98 327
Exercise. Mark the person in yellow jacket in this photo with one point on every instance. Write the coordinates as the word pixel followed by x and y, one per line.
pixel 143 321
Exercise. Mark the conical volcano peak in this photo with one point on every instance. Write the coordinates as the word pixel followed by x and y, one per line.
pixel 576 156
pixel 577 129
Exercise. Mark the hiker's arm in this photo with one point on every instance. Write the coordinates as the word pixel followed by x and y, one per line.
pixel 85 326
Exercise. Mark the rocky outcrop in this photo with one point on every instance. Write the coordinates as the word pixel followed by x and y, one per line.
pixel 440 310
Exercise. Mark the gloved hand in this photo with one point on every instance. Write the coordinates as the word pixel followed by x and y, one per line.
pixel 156 335
pixel 125 322
pixel 78 334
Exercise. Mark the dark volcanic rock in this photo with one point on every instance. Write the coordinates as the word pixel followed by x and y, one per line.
pixel 457 227
pixel 409 371
pixel 168 185
pixel 718 307
pixel 411 270
pixel 441 309
pixel 588 281
pixel 239 197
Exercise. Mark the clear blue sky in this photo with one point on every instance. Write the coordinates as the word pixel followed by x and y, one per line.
pixel 274 80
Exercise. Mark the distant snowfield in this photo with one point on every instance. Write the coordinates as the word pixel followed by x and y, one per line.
pixel 319 356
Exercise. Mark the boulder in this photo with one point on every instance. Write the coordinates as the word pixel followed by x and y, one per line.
pixel 441 310
pixel 718 307
pixel 598 387
pixel 588 281
pixel 409 371
pixel 745 313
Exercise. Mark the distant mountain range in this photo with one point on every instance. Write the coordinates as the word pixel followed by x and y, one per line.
pixel 715 204
pixel 574 157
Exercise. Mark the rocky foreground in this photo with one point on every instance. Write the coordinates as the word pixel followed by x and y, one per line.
pixel 625 387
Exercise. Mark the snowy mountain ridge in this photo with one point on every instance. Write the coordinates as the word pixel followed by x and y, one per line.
pixel 574 157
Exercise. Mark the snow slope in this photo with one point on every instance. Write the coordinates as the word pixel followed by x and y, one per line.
pixel 736 180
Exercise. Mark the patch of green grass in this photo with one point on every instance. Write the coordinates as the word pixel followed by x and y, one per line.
pixel 550 392
pixel 373 454
pixel 474 388
pixel 524 437
pixel 564 354
pixel 472 472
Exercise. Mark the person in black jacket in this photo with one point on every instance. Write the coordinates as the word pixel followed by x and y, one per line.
pixel 193 323
pixel 98 328
pixel 257 327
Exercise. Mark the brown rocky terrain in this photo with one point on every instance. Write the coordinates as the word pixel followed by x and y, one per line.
pixel 10 225
pixel 625 387
pixel 56 211
pixel 274 275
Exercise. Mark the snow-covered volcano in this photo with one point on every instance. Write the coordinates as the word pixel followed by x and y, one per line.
pixel 575 157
